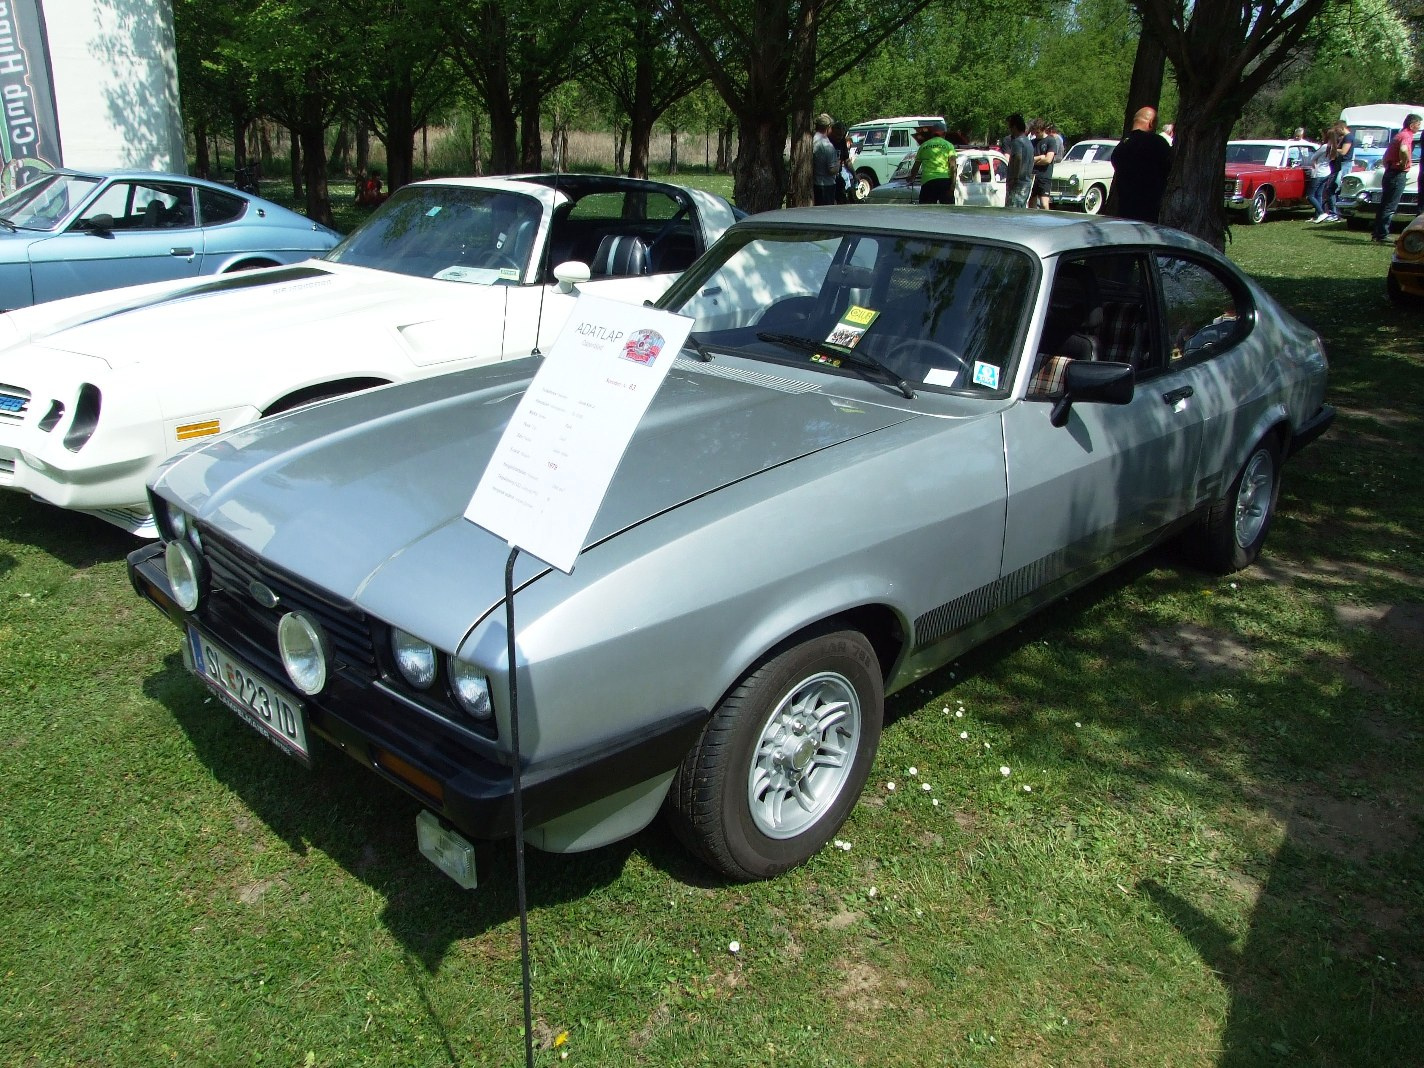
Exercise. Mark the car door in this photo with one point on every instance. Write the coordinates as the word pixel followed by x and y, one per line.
pixel 1084 495
pixel 131 232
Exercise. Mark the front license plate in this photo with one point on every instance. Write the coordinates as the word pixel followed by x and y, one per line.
pixel 268 708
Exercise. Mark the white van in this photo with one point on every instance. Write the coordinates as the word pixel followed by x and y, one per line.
pixel 1373 125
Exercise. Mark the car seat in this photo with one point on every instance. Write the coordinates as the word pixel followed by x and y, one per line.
pixel 620 254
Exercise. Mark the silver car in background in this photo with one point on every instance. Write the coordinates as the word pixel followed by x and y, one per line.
pixel 894 432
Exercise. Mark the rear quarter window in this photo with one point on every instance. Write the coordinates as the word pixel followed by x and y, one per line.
pixel 217 208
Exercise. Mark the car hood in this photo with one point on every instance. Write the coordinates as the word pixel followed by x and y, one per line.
pixel 1242 170
pixel 246 309
pixel 365 496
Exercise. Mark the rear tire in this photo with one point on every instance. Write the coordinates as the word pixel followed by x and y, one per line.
pixel 1233 530
pixel 783 759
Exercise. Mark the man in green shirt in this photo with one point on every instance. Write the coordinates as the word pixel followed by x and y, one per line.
pixel 934 164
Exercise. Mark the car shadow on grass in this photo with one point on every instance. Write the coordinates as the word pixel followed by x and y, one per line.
pixel 367 827
pixel 74 538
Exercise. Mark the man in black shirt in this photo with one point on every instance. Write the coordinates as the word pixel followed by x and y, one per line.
pixel 1140 164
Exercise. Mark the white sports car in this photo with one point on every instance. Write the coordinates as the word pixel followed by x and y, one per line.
pixel 96 390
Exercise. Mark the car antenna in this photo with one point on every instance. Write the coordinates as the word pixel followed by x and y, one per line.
pixel 544 266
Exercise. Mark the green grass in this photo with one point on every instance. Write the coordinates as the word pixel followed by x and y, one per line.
pixel 1217 862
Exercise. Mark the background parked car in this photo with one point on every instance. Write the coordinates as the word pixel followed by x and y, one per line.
pixel 880 146
pixel 1032 399
pixel 1083 177
pixel 1266 175
pixel 1360 194
pixel 95 391
pixel 65 232
pixel 979 180
pixel 1405 281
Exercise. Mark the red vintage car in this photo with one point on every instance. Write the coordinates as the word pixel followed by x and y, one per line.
pixel 1262 175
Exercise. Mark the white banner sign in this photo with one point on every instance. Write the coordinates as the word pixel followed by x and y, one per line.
pixel 549 473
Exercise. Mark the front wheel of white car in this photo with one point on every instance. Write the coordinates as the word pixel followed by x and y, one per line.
pixel 783 759
pixel 1093 200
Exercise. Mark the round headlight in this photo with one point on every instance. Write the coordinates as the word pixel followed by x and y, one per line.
pixel 185 574
pixel 1413 242
pixel 304 652
pixel 1072 181
pixel 471 689
pixel 415 659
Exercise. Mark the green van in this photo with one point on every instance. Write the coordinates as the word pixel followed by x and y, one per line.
pixel 880 144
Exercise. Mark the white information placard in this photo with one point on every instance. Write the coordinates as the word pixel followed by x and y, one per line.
pixel 548 475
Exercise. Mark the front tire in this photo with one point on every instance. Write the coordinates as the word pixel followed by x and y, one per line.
pixel 783 759
pixel 1233 530
pixel 863 184
pixel 1256 211
pixel 1093 200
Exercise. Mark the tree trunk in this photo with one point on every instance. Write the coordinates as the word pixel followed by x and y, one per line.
pixel 1198 163
pixel 1145 88
pixel 477 153
pixel 504 138
pixel 531 157
pixel 202 161
pixel 239 142
pixel 313 140
pixel 264 138
pixel 672 150
pixel 759 177
pixel 363 151
pixel 299 189
pixel 341 151
pixel 802 138
pixel 400 134
pixel 620 148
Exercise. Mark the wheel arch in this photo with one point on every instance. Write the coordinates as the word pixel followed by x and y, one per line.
pixel 319 391
pixel 883 627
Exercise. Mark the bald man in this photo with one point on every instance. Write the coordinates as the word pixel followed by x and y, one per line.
pixel 1140 164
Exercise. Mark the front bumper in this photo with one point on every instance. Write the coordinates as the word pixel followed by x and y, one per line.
pixel 1408 275
pixel 462 779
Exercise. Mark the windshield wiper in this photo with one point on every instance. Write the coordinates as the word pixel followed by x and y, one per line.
pixel 8 224
pixel 862 360
pixel 696 346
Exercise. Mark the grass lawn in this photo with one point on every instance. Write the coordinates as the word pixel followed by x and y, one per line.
pixel 1206 851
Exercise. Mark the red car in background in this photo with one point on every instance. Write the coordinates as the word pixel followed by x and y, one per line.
pixel 1263 175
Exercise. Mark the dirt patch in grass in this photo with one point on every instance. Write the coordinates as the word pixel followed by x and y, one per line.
pixel 1198 650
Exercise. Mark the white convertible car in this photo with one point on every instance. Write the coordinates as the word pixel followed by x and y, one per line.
pixel 95 391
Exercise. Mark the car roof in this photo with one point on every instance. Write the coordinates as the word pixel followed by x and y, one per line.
pixel 897 119
pixel 1045 233
pixel 145 176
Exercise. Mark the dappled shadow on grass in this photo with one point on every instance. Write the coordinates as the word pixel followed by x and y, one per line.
pixel 367 826
pixel 77 539
pixel 1323 745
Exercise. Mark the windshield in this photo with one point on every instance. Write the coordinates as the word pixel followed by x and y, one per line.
pixel 1087 151
pixel 452 233
pixel 939 311
pixel 1238 153
pixel 46 202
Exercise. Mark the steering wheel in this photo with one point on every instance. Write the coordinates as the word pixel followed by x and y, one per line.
pixel 920 356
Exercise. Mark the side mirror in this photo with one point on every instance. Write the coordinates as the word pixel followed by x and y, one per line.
pixel 570 273
pixel 101 225
pixel 1100 382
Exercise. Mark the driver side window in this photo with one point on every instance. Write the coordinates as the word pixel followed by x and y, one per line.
pixel 1204 313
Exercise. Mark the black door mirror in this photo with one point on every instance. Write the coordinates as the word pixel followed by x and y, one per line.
pixel 1101 382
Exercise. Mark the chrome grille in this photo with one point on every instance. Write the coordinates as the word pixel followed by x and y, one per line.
pixel 7 467
pixel 230 608
pixel 14 403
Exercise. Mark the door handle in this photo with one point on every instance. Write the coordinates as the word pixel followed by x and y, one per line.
pixel 1172 396
pixel 180 252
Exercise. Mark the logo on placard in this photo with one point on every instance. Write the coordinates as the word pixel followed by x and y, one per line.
pixel 643 347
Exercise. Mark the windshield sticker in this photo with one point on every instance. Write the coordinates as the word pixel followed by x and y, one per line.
pixel 854 323
pixel 829 361
pixel 986 374
pixel 939 376
pixel 481 276
pixel 435 209
pixel 509 273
